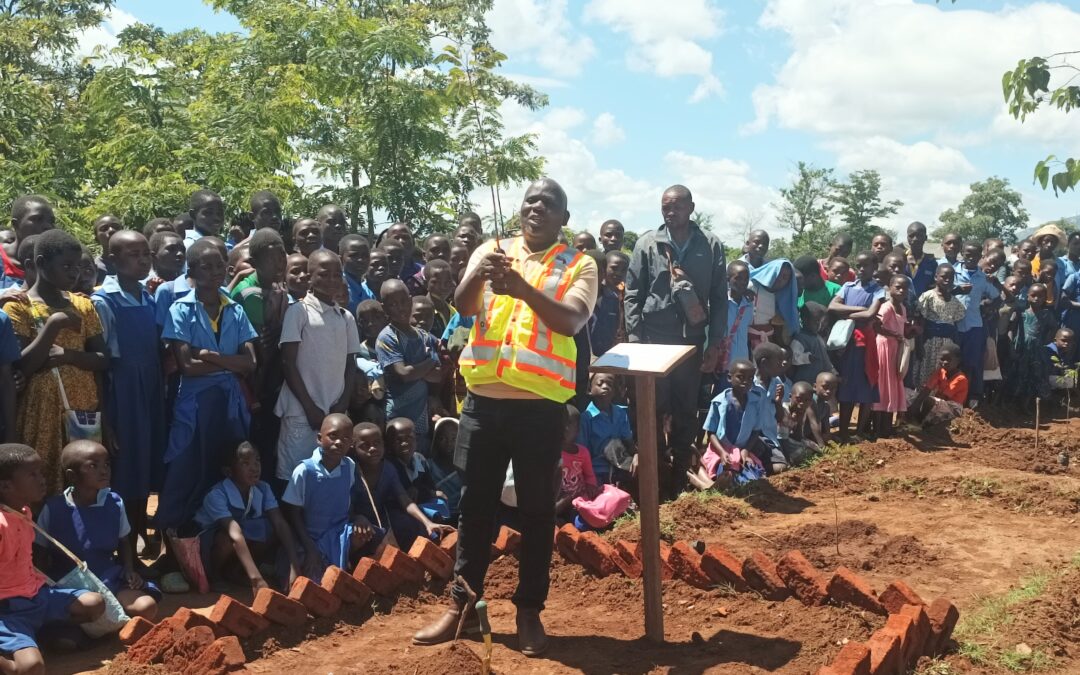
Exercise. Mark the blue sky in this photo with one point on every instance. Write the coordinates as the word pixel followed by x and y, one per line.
pixel 727 97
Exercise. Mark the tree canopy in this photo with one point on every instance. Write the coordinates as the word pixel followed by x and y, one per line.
pixel 992 209
pixel 382 106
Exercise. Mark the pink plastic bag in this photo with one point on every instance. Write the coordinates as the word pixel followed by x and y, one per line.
pixel 602 511
pixel 189 558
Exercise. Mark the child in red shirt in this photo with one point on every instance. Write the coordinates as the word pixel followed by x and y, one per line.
pixel 942 398
pixel 578 479
pixel 26 601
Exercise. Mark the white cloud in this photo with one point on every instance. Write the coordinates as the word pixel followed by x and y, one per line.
pixel 539 31
pixel 928 178
pixel 104 34
pixel 665 37
pixel 725 189
pixel 896 67
pixel 564 119
pixel 606 131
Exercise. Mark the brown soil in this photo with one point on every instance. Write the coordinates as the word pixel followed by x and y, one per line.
pixel 1051 622
pixel 963 513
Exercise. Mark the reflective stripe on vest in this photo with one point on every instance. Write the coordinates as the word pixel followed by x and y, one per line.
pixel 508 342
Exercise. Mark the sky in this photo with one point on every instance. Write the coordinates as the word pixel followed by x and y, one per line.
pixel 726 98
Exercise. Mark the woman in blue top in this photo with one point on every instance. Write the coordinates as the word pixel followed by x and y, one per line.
pixel 212 342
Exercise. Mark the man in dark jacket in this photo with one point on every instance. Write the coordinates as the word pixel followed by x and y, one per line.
pixel 676 253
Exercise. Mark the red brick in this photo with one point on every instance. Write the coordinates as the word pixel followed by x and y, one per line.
pixel 566 540
pixel 629 566
pixel 448 544
pixel 920 633
pixel 187 648
pixel 943 616
pixel 686 564
pixel 190 618
pixel 805 582
pixel 135 629
pixel 723 568
pixel 849 588
pixel 276 607
pixel 665 551
pixel 903 627
pixel 222 656
pixel 376 577
pixel 150 648
pixel 237 618
pixel 760 574
pixel 896 595
pixel 886 653
pixel 317 600
pixel 666 573
pixel 853 659
pixel 508 540
pixel 342 584
pixel 432 558
pixel 395 560
pixel 595 554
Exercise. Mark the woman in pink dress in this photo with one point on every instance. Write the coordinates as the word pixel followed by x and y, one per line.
pixel 890 337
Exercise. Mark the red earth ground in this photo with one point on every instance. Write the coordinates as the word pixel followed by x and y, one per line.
pixel 976 514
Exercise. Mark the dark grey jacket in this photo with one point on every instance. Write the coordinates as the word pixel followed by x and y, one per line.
pixel 652 314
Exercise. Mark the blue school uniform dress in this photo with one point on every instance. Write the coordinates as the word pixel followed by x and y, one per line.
pixel 854 385
pixel 225 501
pixel 381 505
pixel 325 497
pixel 752 427
pixel 10 349
pixel 93 533
pixel 1065 269
pixel 596 429
pixel 972 334
pixel 787 298
pixel 1070 290
pixel 358 292
pixel 134 389
pixel 407 399
pixel 210 413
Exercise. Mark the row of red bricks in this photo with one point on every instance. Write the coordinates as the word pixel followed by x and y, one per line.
pixel 192 643
pixel 912 629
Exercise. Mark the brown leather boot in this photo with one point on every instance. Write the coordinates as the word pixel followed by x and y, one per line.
pixel 532 640
pixel 445 627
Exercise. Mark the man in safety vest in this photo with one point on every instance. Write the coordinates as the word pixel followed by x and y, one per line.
pixel 529 295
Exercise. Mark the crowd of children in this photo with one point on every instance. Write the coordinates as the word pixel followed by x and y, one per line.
pixel 290 394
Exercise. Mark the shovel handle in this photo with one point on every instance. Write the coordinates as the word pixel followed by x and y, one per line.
pixel 482 614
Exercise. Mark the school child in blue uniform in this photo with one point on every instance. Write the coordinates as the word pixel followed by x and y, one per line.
pixel 134 388
pixel 89 518
pixel 212 342
pixel 27 602
pixel 241 523
pixel 10 352
pixel 319 499
pixel 379 500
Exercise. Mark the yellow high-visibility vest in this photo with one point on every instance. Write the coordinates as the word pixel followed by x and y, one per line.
pixel 511 345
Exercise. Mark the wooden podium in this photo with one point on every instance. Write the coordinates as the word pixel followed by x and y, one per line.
pixel 645 363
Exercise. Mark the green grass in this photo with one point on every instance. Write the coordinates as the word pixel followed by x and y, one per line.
pixel 936 668
pixel 916 486
pixel 840 456
pixel 979 628
pixel 977 488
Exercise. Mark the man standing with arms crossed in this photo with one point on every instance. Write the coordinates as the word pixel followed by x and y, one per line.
pixel 529 295
pixel 679 258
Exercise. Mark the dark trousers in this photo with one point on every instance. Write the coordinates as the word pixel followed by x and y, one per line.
pixel 973 359
pixel 492 433
pixel 677 395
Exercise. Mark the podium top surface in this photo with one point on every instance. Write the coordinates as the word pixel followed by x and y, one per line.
pixel 638 358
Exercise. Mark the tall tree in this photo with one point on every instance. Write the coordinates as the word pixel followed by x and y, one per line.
pixel 858 203
pixel 992 209
pixel 806 209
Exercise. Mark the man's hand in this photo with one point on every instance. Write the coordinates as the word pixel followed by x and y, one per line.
pixel 711 359
pixel 493 265
pixel 314 417
pixel 510 283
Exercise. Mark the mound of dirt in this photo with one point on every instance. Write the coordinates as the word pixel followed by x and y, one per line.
pixel 1051 622
pixel 456 658
pixel 862 545
pixel 121 666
